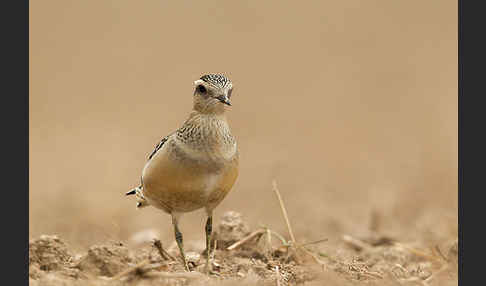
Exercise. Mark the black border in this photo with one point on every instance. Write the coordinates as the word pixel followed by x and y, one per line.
pixel 471 65
pixel 15 143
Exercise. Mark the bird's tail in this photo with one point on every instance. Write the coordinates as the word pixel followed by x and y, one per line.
pixel 138 192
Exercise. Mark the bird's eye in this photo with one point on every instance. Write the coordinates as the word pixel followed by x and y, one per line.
pixel 201 89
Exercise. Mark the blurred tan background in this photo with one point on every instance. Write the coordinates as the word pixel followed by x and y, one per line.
pixel 350 105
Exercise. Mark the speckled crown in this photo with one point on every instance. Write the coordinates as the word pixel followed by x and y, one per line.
pixel 217 80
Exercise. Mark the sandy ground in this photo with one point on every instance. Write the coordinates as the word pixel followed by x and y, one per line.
pixel 350 107
pixel 243 257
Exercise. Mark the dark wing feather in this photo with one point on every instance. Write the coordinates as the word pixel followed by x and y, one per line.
pixel 158 146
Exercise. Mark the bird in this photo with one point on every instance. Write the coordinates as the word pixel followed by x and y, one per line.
pixel 196 166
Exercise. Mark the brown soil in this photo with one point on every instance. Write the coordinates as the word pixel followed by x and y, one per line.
pixel 260 260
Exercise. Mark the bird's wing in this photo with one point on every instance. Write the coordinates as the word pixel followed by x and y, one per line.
pixel 158 146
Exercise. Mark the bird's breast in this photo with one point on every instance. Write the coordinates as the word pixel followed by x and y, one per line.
pixel 181 179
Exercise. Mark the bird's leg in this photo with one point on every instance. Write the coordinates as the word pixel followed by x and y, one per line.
pixel 209 229
pixel 178 237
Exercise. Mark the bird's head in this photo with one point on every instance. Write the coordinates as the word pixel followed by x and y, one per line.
pixel 212 93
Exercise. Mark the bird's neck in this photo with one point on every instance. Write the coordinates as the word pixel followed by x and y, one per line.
pixel 198 117
pixel 208 107
pixel 207 125
pixel 207 132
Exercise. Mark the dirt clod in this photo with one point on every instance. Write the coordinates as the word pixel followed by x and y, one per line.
pixel 49 253
pixel 257 261
pixel 106 260
pixel 231 229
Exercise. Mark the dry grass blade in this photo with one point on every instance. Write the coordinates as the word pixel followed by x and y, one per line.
pixel 277 273
pixel 355 243
pixel 420 253
pixel 312 255
pixel 213 252
pixel 279 236
pixel 314 242
pixel 164 254
pixel 265 245
pixel 245 239
pixel 284 211
pixel 294 247
pixel 373 274
pixel 440 254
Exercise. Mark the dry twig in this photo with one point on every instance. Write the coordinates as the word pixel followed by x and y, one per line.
pixel 293 246
pixel 164 254
pixel 284 211
pixel 419 252
pixel 355 243
pixel 313 242
pixel 439 253
pixel 372 274
pixel 245 239
pixel 280 237
pixel 277 275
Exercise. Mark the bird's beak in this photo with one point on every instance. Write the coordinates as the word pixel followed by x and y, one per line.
pixel 224 99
